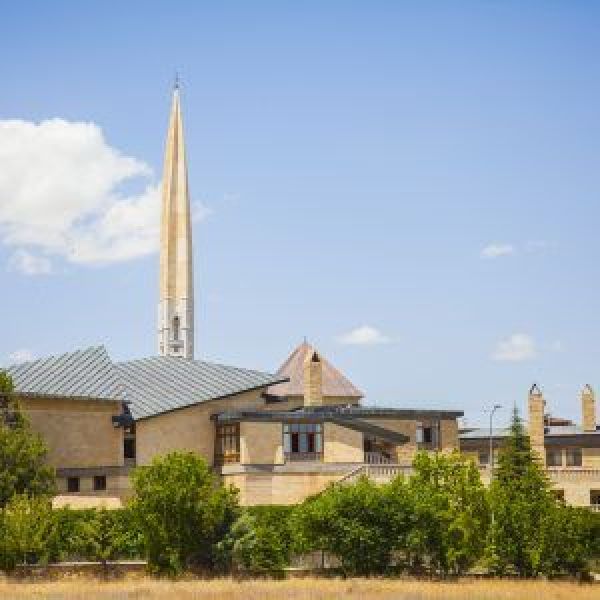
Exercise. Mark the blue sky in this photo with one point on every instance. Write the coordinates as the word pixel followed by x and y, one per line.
pixel 421 176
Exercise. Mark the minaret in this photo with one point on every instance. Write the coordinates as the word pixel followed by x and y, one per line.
pixel 176 303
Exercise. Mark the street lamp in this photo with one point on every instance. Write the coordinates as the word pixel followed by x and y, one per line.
pixel 496 407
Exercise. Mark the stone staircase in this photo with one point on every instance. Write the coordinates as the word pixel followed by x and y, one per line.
pixel 379 473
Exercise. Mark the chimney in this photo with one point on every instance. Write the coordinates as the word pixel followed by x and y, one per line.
pixel 536 421
pixel 313 379
pixel 588 408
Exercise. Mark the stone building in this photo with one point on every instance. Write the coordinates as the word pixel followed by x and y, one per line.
pixel 569 452
pixel 277 437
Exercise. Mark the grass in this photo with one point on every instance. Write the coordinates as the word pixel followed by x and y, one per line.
pixel 297 589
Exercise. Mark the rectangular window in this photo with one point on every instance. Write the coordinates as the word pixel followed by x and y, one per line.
pixel 427 435
pixel 574 457
pixel 303 441
pixel 99 483
pixel 129 448
pixel 554 457
pixel 484 457
pixel 227 444
pixel 72 484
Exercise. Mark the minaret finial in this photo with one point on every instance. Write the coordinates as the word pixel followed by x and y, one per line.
pixel 176 84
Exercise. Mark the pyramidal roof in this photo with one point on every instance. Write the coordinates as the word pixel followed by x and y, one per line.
pixel 334 383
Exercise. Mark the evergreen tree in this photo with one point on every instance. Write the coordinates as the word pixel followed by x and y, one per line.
pixel 22 451
pixel 531 533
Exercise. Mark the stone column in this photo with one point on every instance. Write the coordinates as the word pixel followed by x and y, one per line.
pixel 588 407
pixel 536 422
pixel 313 380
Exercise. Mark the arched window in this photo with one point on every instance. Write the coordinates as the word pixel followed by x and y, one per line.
pixel 176 329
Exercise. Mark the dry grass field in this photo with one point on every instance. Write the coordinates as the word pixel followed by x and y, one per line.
pixel 297 589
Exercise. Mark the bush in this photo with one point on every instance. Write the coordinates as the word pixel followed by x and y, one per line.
pixel 23 469
pixel 260 540
pixel 26 526
pixel 353 522
pixel 450 515
pixel 182 510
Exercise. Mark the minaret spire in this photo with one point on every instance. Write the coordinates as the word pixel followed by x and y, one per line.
pixel 176 301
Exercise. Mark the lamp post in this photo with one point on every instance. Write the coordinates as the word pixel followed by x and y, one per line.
pixel 494 409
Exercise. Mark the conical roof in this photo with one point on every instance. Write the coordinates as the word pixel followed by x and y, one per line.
pixel 334 383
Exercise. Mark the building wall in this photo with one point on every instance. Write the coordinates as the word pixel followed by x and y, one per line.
pixel 342 444
pixel 449 435
pixel 591 458
pixel 261 443
pixel 279 488
pixel 405 453
pixel 188 429
pixel 78 433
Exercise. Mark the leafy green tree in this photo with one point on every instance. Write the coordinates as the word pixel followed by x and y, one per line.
pixel 260 539
pixel 450 513
pixel 22 451
pixel 531 533
pixel 353 522
pixel 182 510
pixel 26 525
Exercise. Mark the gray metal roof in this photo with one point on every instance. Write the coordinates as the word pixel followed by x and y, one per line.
pixel 85 373
pixel 161 384
pixel 553 431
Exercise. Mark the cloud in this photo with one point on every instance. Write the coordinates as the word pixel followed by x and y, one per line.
pixel 497 250
pixel 364 336
pixel 20 356
pixel 29 264
pixel 66 193
pixel 516 348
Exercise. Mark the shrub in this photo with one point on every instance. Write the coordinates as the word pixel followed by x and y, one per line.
pixel 353 522
pixel 22 453
pixel 26 525
pixel 182 510
pixel 260 539
pixel 450 515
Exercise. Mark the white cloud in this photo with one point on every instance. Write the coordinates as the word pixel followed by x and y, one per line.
pixel 29 264
pixel 497 250
pixel 517 347
pixel 20 356
pixel 65 192
pixel 364 336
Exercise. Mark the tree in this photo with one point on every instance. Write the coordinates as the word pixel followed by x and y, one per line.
pixel 450 513
pixel 262 538
pixel 531 532
pixel 22 451
pixel 183 511
pixel 353 522
pixel 26 525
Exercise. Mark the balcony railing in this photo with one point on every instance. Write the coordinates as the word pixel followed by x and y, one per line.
pixel 303 456
pixel 594 507
pixel 377 458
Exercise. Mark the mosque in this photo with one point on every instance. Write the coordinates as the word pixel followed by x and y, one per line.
pixel 278 437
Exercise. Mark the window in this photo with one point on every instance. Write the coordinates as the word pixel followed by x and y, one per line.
pixel 559 495
pixel 99 483
pixel 554 457
pixel 427 434
pixel 595 497
pixel 129 448
pixel 484 457
pixel 574 457
pixel 72 484
pixel 176 329
pixel 303 441
pixel 227 444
